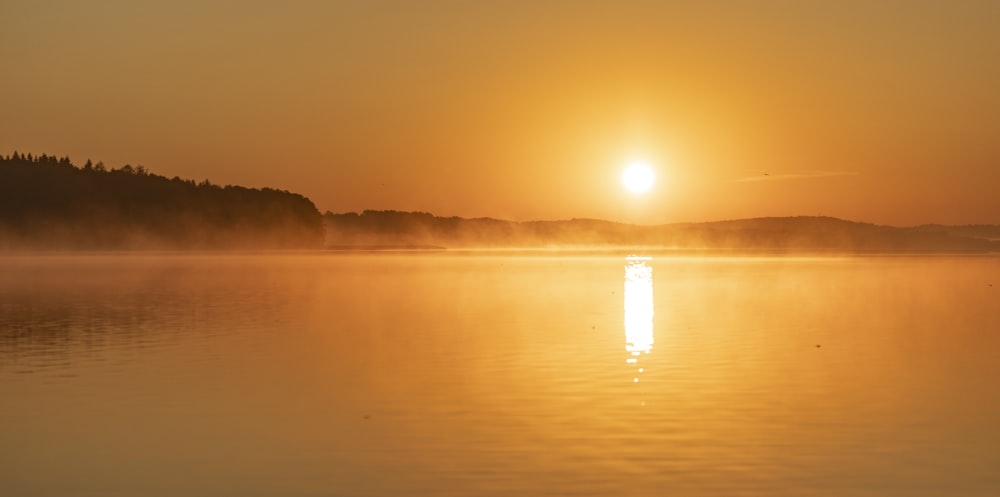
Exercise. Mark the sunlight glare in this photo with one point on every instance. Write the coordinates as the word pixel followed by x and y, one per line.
pixel 638 178
pixel 638 306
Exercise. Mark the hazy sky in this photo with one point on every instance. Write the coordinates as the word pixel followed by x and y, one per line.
pixel 886 112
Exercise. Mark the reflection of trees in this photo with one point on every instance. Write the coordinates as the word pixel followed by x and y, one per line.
pixel 47 201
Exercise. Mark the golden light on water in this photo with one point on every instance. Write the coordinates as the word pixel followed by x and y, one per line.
pixel 638 309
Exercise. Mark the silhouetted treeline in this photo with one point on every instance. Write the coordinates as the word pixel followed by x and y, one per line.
pixel 48 202
pixel 786 234
pixel 986 231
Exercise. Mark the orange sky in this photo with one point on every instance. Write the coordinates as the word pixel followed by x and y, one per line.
pixel 886 112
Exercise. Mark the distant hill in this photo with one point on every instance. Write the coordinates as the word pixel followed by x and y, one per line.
pixel 50 203
pixel 781 234
pixel 985 231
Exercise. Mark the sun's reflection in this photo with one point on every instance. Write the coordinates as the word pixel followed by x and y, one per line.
pixel 638 310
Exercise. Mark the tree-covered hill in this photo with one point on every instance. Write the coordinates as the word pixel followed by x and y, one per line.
pixel 49 203
pixel 776 234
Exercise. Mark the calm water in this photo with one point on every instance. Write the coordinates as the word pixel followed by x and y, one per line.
pixel 491 374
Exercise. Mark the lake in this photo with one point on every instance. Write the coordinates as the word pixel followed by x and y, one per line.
pixel 498 374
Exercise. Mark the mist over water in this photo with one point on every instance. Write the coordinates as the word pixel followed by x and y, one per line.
pixel 487 374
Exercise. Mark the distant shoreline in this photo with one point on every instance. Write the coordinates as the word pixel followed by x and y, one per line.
pixel 388 247
pixel 50 204
pixel 774 235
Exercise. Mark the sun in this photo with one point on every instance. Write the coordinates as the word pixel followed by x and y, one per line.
pixel 638 178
